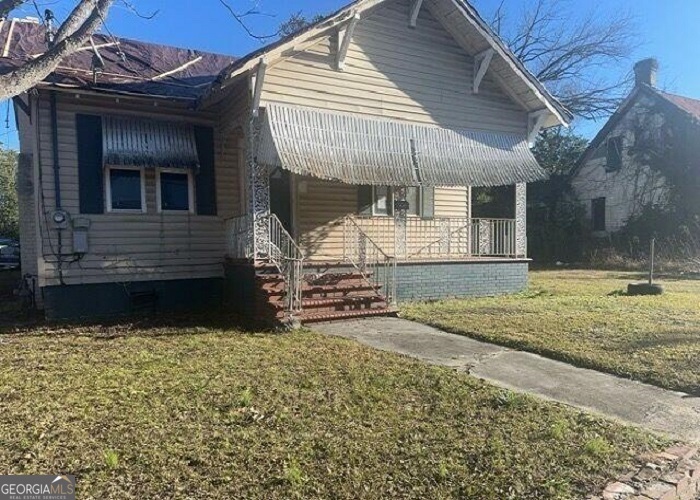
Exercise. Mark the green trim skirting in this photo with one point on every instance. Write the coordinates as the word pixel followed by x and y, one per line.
pixel 108 300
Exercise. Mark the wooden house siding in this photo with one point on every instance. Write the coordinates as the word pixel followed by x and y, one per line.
pixel 392 71
pixel 28 234
pixel 322 206
pixel 132 247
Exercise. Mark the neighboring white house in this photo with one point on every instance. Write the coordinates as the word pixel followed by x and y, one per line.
pixel 609 179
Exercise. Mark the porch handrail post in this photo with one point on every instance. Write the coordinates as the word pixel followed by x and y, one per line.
pixel 521 220
pixel 257 192
pixel 400 222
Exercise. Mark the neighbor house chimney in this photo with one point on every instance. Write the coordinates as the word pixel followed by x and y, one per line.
pixel 645 72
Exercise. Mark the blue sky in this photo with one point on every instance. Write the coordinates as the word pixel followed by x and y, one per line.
pixel 669 29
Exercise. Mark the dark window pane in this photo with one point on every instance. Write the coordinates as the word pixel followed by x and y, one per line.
pixel 125 189
pixel 614 157
pixel 598 214
pixel 174 192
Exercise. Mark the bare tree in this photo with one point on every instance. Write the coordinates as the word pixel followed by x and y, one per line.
pixel 576 52
pixel 85 18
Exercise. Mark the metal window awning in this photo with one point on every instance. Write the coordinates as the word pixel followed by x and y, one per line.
pixel 366 151
pixel 148 143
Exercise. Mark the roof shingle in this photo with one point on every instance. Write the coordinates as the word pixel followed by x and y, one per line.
pixel 131 66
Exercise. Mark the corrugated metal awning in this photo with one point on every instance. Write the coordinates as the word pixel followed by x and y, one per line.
pixel 148 143
pixel 366 151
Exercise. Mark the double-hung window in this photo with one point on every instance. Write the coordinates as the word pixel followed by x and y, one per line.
pixel 126 189
pixel 174 190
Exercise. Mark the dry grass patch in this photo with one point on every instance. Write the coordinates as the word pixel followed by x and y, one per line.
pixel 202 413
pixel 584 317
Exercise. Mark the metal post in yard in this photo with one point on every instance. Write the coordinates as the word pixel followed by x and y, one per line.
pixel 651 260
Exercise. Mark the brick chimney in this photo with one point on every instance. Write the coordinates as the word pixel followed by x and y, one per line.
pixel 645 72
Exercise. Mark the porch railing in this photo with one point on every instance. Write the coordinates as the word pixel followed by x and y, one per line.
pixel 377 268
pixel 282 251
pixel 239 237
pixel 444 237
pixel 286 255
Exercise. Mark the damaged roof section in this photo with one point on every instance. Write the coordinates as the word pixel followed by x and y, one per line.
pixel 129 66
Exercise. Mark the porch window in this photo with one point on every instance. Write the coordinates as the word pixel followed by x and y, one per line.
pixel 383 201
pixel 598 214
pixel 414 196
pixel 174 191
pixel 126 189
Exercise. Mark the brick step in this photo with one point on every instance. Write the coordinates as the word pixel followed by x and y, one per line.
pixel 359 286
pixel 307 318
pixel 333 277
pixel 337 303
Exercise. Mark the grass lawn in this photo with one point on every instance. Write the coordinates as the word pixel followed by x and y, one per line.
pixel 206 413
pixel 584 317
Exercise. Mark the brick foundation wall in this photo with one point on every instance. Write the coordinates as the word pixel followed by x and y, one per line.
pixel 438 280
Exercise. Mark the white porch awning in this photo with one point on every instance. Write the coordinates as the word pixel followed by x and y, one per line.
pixel 148 143
pixel 358 150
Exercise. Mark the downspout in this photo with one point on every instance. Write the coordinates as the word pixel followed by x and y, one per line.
pixel 57 181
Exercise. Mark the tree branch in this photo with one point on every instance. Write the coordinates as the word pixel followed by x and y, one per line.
pixel 6 6
pixel 36 70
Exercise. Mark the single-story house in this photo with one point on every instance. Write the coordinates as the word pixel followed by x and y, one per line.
pixel 614 178
pixel 326 175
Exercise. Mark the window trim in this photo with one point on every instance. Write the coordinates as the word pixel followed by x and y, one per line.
pixel 190 190
pixel 108 190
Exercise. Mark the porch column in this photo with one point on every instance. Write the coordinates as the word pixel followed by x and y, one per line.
pixel 400 227
pixel 257 191
pixel 470 227
pixel 521 220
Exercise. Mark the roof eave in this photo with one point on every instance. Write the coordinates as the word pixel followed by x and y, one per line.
pixel 559 115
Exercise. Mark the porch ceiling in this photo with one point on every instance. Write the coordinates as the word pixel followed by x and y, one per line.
pixel 358 150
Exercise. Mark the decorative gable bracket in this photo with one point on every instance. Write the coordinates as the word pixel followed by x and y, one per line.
pixel 535 122
pixel 345 34
pixel 415 11
pixel 257 81
pixel 482 61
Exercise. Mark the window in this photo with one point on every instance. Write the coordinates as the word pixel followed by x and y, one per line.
pixel 174 191
pixel 598 214
pixel 614 154
pixel 383 201
pixel 413 197
pixel 126 190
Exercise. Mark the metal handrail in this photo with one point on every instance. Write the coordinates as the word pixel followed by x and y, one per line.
pixel 374 265
pixel 288 257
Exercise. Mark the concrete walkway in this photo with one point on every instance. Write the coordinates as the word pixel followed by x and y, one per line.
pixel 669 412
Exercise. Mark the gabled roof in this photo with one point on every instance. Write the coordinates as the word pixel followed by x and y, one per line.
pixel 130 66
pixel 686 105
pixel 135 67
pixel 511 67
pixel 690 106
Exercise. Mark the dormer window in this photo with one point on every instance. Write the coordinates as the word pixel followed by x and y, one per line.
pixel 614 154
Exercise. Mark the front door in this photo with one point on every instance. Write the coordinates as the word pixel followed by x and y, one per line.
pixel 281 197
